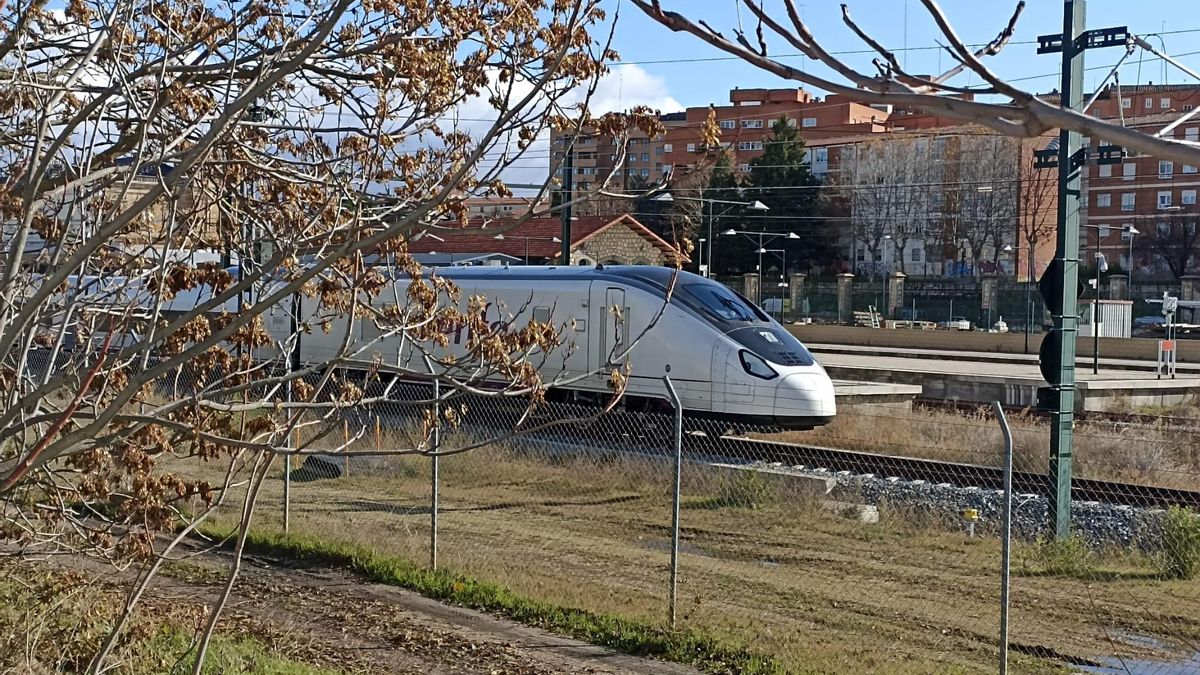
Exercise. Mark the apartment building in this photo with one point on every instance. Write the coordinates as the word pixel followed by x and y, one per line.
pixel 1142 196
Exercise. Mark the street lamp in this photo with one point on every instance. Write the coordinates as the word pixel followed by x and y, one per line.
pixel 502 237
pixel 1101 266
pixel 1008 248
pixel 700 258
pixel 762 237
pixel 755 205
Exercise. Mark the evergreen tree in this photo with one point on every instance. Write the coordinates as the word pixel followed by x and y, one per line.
pixel 781 179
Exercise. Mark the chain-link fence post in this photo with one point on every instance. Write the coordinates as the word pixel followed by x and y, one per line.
pixel 675 490
pixel 433 474
pixel 1006 536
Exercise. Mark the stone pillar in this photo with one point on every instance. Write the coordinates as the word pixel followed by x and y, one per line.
pixel 1118 287
pixel 989 289
pixel 1189 290
pixel 752 290
pixel 796 295
pixel 845 298
pixel 895 294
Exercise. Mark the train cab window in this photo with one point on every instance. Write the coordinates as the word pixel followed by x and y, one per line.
pixel 754 365
pixel 541 314
pixel 723 303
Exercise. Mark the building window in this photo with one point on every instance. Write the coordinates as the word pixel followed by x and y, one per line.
pixel 1103 200
pixel 645 157
pixel 1192 133
pixel 1106 170
pixel 1127 201
pixel 667 147
pixel 914 255
pixel 1126 103
pixel 667 168
pixel 658 167
pixel 1164 103
pixel 750 145
pixel 728 124
pixel 1126 232
pixel 1188 106
pixel 1166 168
pixel 658 150
pixel 791 122
pixel 691 147
pixel 1104 231
pixel 822 155
pixel 1129 171
pixel 809 122
pixel 1149 102
pixel 744 168
pixel 1164 229
pixel 1188 168
pixel 752 124
pixel 1187 197
pixel 645 172
pixel 1164 199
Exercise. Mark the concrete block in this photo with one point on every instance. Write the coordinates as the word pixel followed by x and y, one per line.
pixel 863 513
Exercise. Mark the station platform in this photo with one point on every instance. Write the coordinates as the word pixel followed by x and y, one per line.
pixel 1012 379
pixel 890 394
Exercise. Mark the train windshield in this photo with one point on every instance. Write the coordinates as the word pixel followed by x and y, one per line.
pixel 733 312
pixel 722 303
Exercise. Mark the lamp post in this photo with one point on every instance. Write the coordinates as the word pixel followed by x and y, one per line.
pixel 782 253
pixel 762 237
pixel 1101 266
pixel 1028 282
pixel 502 237
pixel 751 206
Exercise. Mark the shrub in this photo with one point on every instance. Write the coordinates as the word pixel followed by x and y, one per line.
pixel 1180 557
pixel 1059 557
pixel 749 489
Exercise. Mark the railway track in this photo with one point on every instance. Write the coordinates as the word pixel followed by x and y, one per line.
pixel 705 441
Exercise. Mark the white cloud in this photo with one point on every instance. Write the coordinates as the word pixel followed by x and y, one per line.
pixel 627 85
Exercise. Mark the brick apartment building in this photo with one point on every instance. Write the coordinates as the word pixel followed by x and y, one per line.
pixel 1142 193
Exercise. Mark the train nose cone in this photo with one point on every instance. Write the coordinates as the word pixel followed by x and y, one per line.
pixel 805 395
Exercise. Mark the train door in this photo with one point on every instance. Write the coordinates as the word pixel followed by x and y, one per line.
pixel 614 325
pixel 729 381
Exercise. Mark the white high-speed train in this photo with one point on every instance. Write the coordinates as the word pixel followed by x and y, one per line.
pixel 725 356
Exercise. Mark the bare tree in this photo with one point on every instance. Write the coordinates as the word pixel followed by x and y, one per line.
pixel 1036 213
pixel 1023 114
pixel 142 145
pixel 1175 239
pixel 891 186
pixel 984 215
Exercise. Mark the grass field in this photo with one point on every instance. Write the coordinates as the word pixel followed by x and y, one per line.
pixel 762 563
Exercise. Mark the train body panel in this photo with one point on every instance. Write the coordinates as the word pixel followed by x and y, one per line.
pixel 725 357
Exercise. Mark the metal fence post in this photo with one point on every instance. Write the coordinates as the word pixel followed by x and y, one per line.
pixel 675 497
pixel 433 484
pixel 1005 536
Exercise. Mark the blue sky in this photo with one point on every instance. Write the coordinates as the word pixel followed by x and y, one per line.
pixel 649 49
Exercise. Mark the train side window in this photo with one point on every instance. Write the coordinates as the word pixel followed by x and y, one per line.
pixel 757 367
pixel 580 325
pixel 541 314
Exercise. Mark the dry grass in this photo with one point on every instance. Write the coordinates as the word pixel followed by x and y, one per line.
pixel 1151 454
pixel 761 563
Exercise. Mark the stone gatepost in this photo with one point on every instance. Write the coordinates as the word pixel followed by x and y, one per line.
pixel 751 288
pixel 1118 287
pixel 895 293
pixel 845 298
pixel 989 289
pixel 796 294
pixel 1189 290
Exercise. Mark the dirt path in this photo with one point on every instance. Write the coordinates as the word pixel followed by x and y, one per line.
pixel 328 617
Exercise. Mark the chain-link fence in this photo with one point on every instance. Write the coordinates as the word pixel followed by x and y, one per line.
pixel 871 544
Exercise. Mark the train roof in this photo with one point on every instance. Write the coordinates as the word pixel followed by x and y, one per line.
pixel 641 275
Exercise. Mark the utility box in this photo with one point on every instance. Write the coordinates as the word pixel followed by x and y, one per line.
pixel 1115 320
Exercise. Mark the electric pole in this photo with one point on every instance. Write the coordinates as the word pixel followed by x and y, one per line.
pixel 1060 284
pixel 567 195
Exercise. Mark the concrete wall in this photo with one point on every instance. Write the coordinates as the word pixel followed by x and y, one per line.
pixel 1003 343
